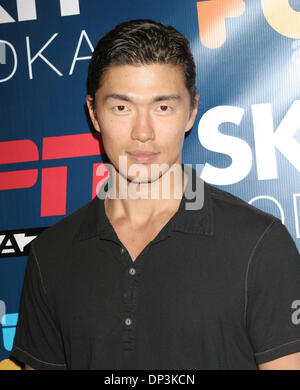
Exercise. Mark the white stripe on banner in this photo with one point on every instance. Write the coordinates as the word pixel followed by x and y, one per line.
pixel 26 10
pixel 5 16
pixel 2 311
pixel 2 53
pixel 69 7
pixel 296 208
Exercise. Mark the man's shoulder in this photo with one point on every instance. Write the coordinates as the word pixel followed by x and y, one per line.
pixel 62 232
pixel 230 209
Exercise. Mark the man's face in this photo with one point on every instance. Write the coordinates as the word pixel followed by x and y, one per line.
pixel 143 109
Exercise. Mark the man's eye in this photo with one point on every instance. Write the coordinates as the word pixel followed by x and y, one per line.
pixel 164 108
pixel 120 108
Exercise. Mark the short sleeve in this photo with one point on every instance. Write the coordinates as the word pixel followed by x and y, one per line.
pixel 37 340
pixel 272 311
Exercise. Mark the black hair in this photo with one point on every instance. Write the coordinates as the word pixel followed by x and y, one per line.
pixel 141 42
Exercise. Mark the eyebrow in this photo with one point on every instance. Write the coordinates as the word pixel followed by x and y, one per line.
pixel 154 100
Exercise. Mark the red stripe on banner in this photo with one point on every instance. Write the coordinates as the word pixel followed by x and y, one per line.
pixel 18 151
pixel 54 191
pixel 18 179
pixel 66 146
pixel 100 174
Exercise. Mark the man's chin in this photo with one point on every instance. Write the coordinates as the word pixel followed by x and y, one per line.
pixel 143 175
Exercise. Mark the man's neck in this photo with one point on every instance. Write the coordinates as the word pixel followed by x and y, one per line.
pixel 158 198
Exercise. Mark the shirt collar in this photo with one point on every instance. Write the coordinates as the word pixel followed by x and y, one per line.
pixel 187 219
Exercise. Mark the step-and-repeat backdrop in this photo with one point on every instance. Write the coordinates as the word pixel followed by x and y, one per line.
pixel 246 134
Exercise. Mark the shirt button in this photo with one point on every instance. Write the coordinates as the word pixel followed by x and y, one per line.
pixel 128 321
pixel 122 250
pixel 132 271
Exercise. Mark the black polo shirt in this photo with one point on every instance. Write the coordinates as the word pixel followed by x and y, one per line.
pixel 217 288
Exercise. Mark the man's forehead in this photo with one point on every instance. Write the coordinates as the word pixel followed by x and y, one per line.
pixel 150 81
pixel 153 72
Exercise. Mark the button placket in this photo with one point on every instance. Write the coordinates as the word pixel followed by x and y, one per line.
pixel 131 278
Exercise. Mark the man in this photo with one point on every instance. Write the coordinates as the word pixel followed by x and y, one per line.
pixel 147 282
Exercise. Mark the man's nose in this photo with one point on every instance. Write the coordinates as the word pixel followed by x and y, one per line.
pixel 142 129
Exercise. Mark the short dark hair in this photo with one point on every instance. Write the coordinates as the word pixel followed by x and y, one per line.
pixel 141 42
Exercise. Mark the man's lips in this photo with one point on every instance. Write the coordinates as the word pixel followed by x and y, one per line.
pixel 142 153
pixel 142 156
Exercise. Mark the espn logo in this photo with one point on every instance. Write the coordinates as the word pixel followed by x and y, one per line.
pixel 53 179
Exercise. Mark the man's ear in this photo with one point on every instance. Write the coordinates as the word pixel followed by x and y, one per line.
pixel 90 106
pixel 193 113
